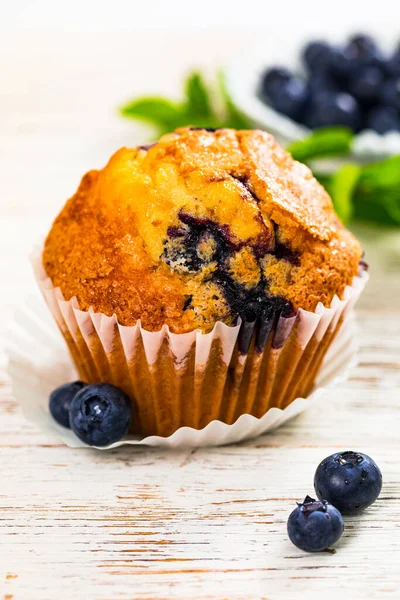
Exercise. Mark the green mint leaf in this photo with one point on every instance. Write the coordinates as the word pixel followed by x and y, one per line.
pixel 370 208
pixel 162 113
pixel 383 174
pixel 198 103
pixel 392 205
pixel 377 196
pixel 197 109
pixel 325 180
pixel 234 118
pixel 341 187
pixel 327 141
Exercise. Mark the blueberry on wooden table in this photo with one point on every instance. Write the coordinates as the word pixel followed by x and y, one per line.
pixel 349 480
pixel 60 401
pixel 100 414
pixel 315 525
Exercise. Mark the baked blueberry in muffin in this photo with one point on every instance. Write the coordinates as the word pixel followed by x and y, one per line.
pixel 203 226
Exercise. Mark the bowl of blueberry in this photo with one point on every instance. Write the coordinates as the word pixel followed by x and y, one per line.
pixel 318 84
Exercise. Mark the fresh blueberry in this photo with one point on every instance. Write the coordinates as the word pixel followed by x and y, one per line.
pixel 291 97
pixel 100 414
pixel 334 109
pixel 60 401
pixel 383 119
pixel 272 80
pixel 361 46
pixel 321 83
pixel 391 93
pixel 315 525
pixel 361 50
pixel 318 56
pixel 351 481
pixel 393 64
pixel 366 83
pixel 342 66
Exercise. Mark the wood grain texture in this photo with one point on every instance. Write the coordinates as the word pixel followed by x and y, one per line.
pixel 143 523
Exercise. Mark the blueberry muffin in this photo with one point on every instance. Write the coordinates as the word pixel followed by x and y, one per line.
pixel 203 226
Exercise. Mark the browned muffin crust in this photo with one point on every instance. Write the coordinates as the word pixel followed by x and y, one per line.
pixel 197 228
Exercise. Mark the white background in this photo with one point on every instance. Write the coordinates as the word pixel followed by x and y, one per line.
pixel 290 16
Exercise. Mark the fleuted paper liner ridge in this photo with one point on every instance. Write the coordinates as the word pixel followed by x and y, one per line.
pixel 39 362
pixel 190 389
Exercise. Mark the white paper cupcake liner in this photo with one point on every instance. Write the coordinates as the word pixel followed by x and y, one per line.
pixel 39 360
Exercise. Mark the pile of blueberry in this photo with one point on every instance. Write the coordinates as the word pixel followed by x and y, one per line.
pixel 356 85
pixel 346 482
pixel 99 413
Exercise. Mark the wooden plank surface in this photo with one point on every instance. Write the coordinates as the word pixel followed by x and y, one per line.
pixel 143 523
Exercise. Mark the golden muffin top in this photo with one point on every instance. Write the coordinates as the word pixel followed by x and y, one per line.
pixel 203 225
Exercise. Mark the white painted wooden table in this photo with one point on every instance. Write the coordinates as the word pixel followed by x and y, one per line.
pixel 142 523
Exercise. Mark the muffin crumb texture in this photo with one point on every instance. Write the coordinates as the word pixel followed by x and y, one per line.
pixel 201 226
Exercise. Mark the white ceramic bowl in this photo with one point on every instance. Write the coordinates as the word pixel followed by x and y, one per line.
pixel 243 77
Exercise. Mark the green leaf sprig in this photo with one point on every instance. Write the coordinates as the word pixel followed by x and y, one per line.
pixel 324 142
pixel 197 108
pixel 368 192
